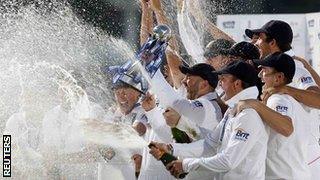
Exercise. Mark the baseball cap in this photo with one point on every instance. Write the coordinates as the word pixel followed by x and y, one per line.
pixel 242 70
pixel 203 70
pixel 244 50
pixel 214 48
pixel 279 30
pixel 280 62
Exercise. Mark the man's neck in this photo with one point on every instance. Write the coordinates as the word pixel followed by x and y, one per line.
pixel 280 85
pixel 275 49
pixel 200 94
pixel 225 98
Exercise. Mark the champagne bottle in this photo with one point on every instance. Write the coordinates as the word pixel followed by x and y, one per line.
pixel 167 158
pixel 180 136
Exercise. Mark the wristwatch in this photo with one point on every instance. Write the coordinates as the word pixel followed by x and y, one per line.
pixel 170 148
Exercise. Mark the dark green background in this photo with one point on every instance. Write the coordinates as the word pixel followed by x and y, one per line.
pixel 121 18
pixel 114 16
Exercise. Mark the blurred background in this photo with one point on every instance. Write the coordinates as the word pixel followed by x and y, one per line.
pixel 121 18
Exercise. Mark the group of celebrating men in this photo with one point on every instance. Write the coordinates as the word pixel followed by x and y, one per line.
pixel 245 109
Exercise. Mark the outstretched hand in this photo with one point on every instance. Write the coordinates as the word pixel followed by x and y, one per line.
pixel 149 102
pixel 266 93
pixel 175 168
pixel 241 105
pixel 171 116
pixel 157 149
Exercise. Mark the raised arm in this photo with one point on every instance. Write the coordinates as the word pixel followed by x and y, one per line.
pixel 215 32
pixel 146 21
pixel 162 19
pixel 174 61
pixel 164 92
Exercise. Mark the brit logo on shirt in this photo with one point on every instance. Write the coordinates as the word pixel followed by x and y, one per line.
pixel 281 108
pixel 306 80
pixel 241 134
pixel 197 104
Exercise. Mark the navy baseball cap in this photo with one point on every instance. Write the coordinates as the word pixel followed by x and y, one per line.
pixel 203 70
pixel 280 62
pixel 241 70
pixel 244 50
pixel 279 30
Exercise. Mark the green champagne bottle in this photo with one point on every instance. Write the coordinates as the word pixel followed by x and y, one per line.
pixel 167 158
pixel 180 136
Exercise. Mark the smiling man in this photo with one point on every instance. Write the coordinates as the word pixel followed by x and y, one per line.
pixel 287 150
pixel 200 107
pixel 287 146
pixel 236 149
pixel 277 36
pixel 198 113
pixel 128 111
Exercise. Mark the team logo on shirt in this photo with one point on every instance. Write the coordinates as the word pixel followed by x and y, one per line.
pixel 281 108
pixel 197 104
pixel 307 79
pixel 241 134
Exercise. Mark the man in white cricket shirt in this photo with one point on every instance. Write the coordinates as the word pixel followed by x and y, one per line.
pixel 200 109
pixel 288 139
pixel 238 145
pixel 199 113
pixel 277 36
